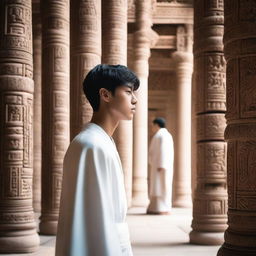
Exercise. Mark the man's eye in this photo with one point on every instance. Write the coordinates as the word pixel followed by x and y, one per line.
pixel 129 92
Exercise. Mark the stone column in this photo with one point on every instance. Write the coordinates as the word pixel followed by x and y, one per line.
pixel 183 60
pixel 37 133
pixel 17 224
pixel 210 196
pixel 55 111
pixel 240 134
pixel 142 41
pixel 182 173
pixel 114 27
pixel 85 54
pixel 129 174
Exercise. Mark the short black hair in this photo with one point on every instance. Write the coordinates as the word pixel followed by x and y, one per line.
pixel 108 77
pixel 160 122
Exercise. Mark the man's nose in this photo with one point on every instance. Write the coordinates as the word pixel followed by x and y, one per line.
pixel 134 99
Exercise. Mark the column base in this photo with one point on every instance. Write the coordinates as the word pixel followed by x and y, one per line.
pixel 206 238
pixel 182 202
pixel 19 243
pixel 140 200
pixel 47 227
pixel 230 250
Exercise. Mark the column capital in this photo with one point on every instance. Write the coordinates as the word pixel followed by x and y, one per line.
pixel 146 36
pixel 183 61
pixel 184 36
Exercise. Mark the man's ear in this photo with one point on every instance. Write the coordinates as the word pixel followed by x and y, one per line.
pixel 105 95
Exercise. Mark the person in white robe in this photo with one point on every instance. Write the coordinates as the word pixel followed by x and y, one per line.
pixel 93 202
pixel 161 155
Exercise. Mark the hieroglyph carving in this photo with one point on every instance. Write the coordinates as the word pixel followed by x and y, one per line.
pixel 240 53
pixel 16 129
pixel 114 31
pixel 18 146
pixel 85 54
pixel 176 1
pixel 212 163
pixel 210 107
pixel 55 112
pixel 184 37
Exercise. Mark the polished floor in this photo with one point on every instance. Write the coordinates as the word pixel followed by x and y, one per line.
pixel 151 235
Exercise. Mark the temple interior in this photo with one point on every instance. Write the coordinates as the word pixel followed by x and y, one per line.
pixel 196 61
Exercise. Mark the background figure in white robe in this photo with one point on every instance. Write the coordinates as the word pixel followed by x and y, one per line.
pixel 161 155
pixel 93 202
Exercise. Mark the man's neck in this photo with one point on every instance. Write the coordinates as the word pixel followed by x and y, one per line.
pixel 157 129
pixel 105 122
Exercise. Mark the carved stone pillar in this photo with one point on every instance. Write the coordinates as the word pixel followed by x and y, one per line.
pixel 55 115
pixel 17 225
pixel 114 30
pixel 129 174
pixel 183 60
pixel 182 175
pixel 210 196
pixel 37 133
pixel 115 52
pixel 143 13
pixel 85 54
pixel 240 134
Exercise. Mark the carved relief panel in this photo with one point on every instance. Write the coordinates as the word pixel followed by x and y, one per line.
pixel 210 107
pixel 55 112
pixel 85 54
pixel 16 128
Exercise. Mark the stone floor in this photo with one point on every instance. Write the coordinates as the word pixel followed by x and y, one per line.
pixel 165 235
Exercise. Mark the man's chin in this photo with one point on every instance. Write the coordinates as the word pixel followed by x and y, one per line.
pixel 128 118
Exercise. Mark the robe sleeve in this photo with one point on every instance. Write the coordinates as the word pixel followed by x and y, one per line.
pixel 150 153
pixel 165 153
pixel 94 229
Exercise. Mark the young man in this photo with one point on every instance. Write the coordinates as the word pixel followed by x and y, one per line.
pixel 93 202
pixel 161 172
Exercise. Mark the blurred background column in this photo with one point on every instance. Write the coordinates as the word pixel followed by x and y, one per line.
pixel 141 42
pixel 183 59
pixel 114 29
pixel 37 132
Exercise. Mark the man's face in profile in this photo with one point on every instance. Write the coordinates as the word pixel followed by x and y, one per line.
pixel 123 103
pixel 154 128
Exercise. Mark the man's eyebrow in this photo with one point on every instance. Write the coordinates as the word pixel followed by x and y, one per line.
pixel 130 86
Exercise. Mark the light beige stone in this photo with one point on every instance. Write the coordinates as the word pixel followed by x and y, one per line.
pixel 55 111
pixel 17 224
pixel 142 42
pixel 167 12
pixel 240 53
pixel 210 195
pixel 182 171
pixel 115 52
pixel 85 50
pixel 37 132
pixel 183 60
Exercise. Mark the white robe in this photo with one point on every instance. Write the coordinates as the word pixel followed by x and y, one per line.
pixel 161 155
pixel 93 202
